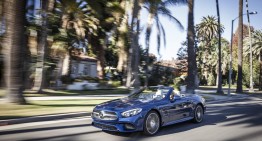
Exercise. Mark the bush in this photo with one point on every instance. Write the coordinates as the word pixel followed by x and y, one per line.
pixel 90 79
pixel 211 80
pixel 116 83
pixel 178 82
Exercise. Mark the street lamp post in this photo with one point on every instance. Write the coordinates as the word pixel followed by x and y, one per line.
pixel 230 59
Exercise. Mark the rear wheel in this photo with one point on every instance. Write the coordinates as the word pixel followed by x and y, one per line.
pixel 198 114
pixel 151 123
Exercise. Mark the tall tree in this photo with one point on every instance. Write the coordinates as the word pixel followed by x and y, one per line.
pixel 240 48
pixel 13 49
pixel 207 32
pixel 122 32
pixel 133 58
pixel 256 49
pixel 192 67
pixel 47 7
pixel 211 65
pixel 155 9
pixel 1 34
pixel 251 87
pixel 207 29
pixel 106 24
pixel 219 80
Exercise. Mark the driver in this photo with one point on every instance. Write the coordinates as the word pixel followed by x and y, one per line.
pixel 173 94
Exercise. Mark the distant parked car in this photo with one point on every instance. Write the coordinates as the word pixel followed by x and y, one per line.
pixel 147 110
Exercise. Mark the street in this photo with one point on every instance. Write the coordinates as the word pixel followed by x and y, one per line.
pixel 239 120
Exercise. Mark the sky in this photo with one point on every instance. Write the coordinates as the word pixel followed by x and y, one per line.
pixel 174 36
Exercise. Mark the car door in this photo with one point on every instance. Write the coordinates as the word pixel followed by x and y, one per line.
pixel 187 107
pixel 178 109
pixel 174 110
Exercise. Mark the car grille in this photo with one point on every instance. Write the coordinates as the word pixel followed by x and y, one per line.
pixel 104 115
pixel 105 127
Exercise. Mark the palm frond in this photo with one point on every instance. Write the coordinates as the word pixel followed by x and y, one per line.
pixel 174 2
pixel 164 33
pixel 173 19
pixel 158 35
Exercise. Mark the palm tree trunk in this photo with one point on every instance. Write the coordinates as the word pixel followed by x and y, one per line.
pixel 98 43
pixel 148 34
pixel 240 48
pixel 135 17
pixel 122 39
pixel 1 59
pixel 217 73
pixel 192 67
pixel 14 14
pixel 260 74
pixel 47 6
pixel 219 87
pixel 101 62
pixel 136 54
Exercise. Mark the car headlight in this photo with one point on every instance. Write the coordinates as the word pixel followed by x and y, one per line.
pixel 131 113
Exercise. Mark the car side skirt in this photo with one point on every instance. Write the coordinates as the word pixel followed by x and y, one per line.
pixel 178 121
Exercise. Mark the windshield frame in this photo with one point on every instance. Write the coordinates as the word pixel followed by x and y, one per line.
pixel 140 94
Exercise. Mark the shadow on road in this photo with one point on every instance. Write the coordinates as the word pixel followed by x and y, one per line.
pixel 69 137
pixel 42 129
pixel 176 128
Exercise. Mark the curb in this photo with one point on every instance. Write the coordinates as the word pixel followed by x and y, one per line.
pixel 42 118
pixel 226 99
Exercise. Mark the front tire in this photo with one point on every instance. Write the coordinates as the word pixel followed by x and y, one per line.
pixel 151 123
pixel 198 114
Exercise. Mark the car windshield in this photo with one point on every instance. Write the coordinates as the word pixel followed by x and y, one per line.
pixel 150 94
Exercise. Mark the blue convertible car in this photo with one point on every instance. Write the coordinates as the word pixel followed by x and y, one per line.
pixel 147 110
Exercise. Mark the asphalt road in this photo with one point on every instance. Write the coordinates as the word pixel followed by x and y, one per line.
pixel 236 120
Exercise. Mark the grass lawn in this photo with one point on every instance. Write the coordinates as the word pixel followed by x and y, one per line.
pixel 50 92
pixel 212 90
pixel 34 108
pixel 2 93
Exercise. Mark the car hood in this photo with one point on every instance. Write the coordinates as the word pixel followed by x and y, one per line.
pixel 122 104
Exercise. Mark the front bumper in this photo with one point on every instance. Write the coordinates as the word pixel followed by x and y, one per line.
pixel 130 124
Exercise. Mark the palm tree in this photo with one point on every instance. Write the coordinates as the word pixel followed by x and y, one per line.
pixel 13 49
pixel 207 31
pixel 106 24
pixel 192 67
pixel 256 49
pixel 219 80
pixel 240 48
pixel 76 19
pixel 155 9
pixel 47 7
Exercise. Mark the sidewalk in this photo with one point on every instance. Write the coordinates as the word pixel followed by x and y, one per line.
pixel 213 98
pixel 218 98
